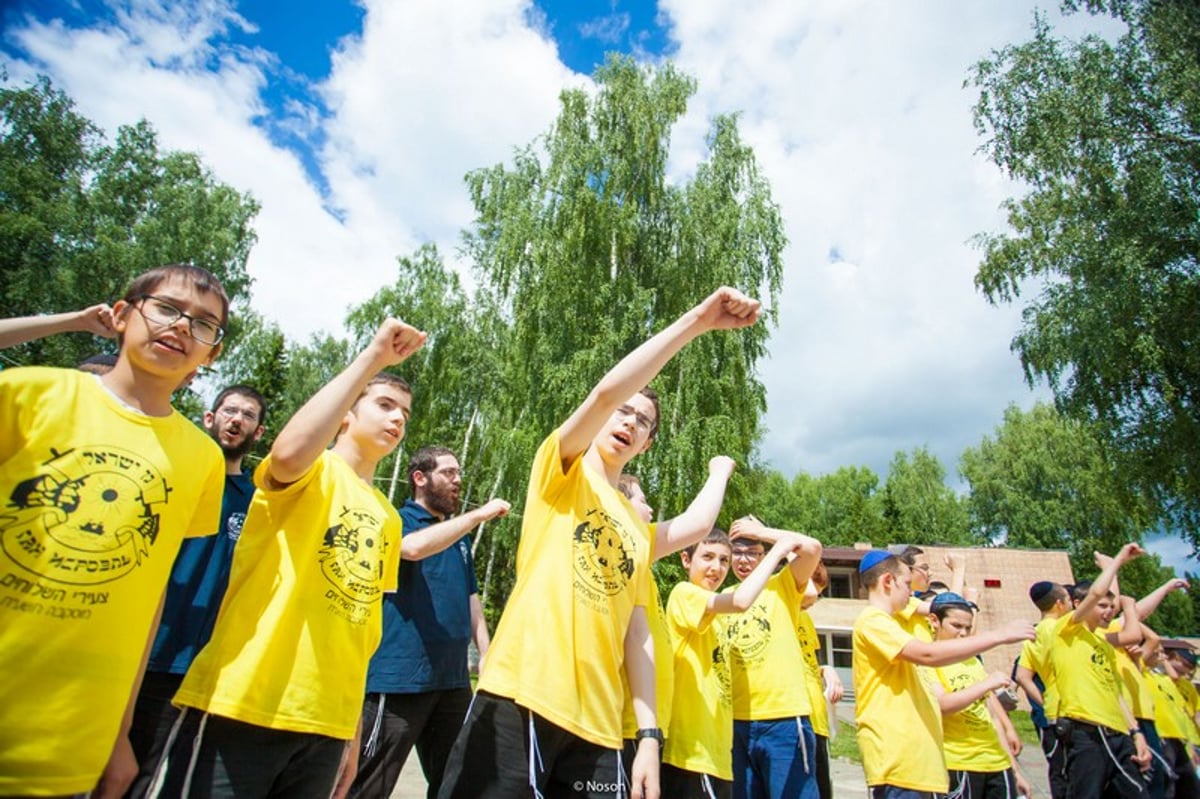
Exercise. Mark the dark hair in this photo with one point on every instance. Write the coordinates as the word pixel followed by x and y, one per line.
pixel 890 565
pixel 908 555
pixel 715 536
pixel 820 576
pixel 940 611
pixel 625 484
pixel 652 395
pixel 242 390
pixel 198 278
pixel 425 461
pixel 1054 595
pixel 938 585
pixel 386 379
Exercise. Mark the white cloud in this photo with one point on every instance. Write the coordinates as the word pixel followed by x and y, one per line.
pixel 855 109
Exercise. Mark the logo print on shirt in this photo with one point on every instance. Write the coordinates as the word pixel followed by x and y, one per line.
pixel 233 527
pixel 353 553
pixel 749 633
pixel 89 518
pixel 720 667
pixel 602 547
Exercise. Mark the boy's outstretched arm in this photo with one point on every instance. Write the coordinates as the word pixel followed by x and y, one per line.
pixel 694 523
pixel 1150 602
pixel 944 653
pixel 97 320
pixel 954 701
pixel 309 431
pixel 807 550
pixel 724 309
pixel 741 598
pixel 639 669
pixel 437 537
pixel 1102 584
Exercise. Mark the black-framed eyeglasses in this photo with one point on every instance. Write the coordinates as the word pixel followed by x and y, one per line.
pixel 162 312
pixel 640 420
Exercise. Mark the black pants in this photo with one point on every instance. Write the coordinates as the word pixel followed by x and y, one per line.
pixel 236 760
pixel 678 783
pixel 1185 785
pixel 824 778
pixel 492 755
pixel 391 728
pixel 1056 761
pixel 983 784
pixel 153 717
pixel 1098 762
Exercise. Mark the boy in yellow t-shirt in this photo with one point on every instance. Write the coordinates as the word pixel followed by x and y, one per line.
pixel 697 761
pixel 773 742
pixel 822 682
pixel 720 469
pixel 101 480
pixel 979 762
pixel 547 715
pixel 1174 725
pixel 281 680
pixel 1095 724
pixel 899 721
pixel 1053 601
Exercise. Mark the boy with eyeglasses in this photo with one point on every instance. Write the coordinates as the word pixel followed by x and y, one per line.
pixel 774 746
pixel 198 580
pixel 101 480
pixel 547 715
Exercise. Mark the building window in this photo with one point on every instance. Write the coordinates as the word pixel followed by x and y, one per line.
pixel 843 583
pixel 837 646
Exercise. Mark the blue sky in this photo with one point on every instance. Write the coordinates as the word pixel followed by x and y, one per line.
pixel 354 123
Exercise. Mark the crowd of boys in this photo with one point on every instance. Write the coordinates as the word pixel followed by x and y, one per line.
pixel 173 626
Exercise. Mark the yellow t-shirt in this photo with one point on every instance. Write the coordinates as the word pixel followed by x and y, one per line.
pixel 1170 710
pixel 971 742
pixel 1190 700
pixel 899 721
pixel 582 565
pixel 1035 656
pixel 914 621
pixel 810 644
pixel 764 654
pixel 302 615
pixel 96 499
pixel 1091 694
pixel 1137 693
pixel 700 738
pixel 664 683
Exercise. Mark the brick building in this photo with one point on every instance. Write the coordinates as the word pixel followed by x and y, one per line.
pixel 1000 575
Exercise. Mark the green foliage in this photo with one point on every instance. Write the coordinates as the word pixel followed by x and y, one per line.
pixel 584 249
pixel 918 505
pixel 1106 136
pixel 80 218
pixel 1044 481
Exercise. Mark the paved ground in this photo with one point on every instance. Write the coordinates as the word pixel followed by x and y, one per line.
pixel 848 782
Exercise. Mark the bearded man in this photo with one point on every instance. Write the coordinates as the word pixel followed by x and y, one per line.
pixel 418 683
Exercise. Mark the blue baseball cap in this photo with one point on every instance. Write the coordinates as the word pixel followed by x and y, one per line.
pixel 949 599
pixel 873 558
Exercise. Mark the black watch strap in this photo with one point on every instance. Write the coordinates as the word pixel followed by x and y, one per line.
pixel 649 732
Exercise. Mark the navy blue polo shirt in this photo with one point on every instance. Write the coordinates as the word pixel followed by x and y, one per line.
pixel 198 582
pixel 427 621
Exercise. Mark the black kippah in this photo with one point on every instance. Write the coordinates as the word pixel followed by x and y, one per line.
pixel 1039 590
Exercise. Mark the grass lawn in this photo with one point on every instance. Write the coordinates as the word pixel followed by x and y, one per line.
pixel 845 743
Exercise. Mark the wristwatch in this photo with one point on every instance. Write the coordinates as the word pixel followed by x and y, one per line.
pixel 649 732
